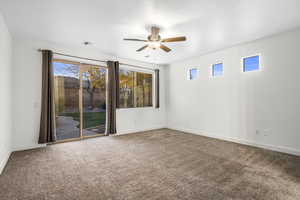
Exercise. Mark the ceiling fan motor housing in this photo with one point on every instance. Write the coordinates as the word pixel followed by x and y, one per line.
pixel 154 38
pixel 154 34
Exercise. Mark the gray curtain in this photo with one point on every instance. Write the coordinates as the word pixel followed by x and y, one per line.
pixel 156 88
pixel 112 96
pixel 47 127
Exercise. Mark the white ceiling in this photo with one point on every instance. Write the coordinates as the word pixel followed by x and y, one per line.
pixel 208 24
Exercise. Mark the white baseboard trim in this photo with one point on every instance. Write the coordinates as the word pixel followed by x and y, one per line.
pixel 23 148
pixel 281 149
pixel 122 132
pixel 4 161
pixel 129 131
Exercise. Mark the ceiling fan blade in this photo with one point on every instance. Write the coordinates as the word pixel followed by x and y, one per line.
pixel 174 39
pixel 165 48
pixel 137 40
pixel 142 48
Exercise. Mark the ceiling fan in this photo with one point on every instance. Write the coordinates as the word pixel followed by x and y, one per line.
pixel 154 40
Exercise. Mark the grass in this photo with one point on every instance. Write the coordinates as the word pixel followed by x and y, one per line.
pixel 90 119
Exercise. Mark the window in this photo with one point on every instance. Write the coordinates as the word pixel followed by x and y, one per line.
pixel 217 69
pixel 135 89
pixel 251 64
pixel 193 74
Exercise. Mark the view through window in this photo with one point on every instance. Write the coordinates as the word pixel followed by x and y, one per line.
pixel 217 69
pixel 135 89
pixel 79 99
pixel 193 73
pixel 251 64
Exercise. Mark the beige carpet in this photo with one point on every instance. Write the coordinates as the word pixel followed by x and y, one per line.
pixel 161 164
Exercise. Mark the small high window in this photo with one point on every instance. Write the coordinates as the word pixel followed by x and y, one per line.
pixel 193 74
pixel 217 69
pixel 251 64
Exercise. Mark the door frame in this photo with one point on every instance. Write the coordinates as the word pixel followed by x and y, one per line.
pixel 81 66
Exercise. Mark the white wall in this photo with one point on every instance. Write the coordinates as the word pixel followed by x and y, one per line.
pixel 139 119
pixel 27 93
pixel 260 108
pixel 5 94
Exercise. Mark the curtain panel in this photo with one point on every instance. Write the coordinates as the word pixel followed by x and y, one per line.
pixel 112 96
pixel 156 88
pixel 47 127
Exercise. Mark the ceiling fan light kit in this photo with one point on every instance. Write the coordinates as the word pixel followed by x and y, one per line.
pixel 154 40
pixel 154 44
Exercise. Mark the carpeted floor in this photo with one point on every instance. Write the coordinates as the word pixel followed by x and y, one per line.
pixel 161 164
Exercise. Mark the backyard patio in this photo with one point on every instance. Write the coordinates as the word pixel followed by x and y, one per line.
pixel 68 124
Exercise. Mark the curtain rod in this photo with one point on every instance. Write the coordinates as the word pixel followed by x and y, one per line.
pixel 62 54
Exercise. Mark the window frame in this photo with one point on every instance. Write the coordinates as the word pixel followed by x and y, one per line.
pixel 212 69
pixel 152 72
pixel 82 67
pixel 189 73
pixel 250 56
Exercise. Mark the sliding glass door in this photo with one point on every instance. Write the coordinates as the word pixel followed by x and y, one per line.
pixel 66 99
pixel 80 107
pixel 93 100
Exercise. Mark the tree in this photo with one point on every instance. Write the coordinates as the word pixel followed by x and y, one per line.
pixel 94 79
pixel 126 85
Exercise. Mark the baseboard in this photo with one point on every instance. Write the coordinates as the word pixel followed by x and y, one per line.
pixel 281 149
pixel 4 161
pixel 122 132
pixel 129 131
pixel 23 148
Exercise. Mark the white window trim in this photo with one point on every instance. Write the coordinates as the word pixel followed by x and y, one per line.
pixel 134 69
pixel 137 69
pixel 79 60
pixel 249 56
